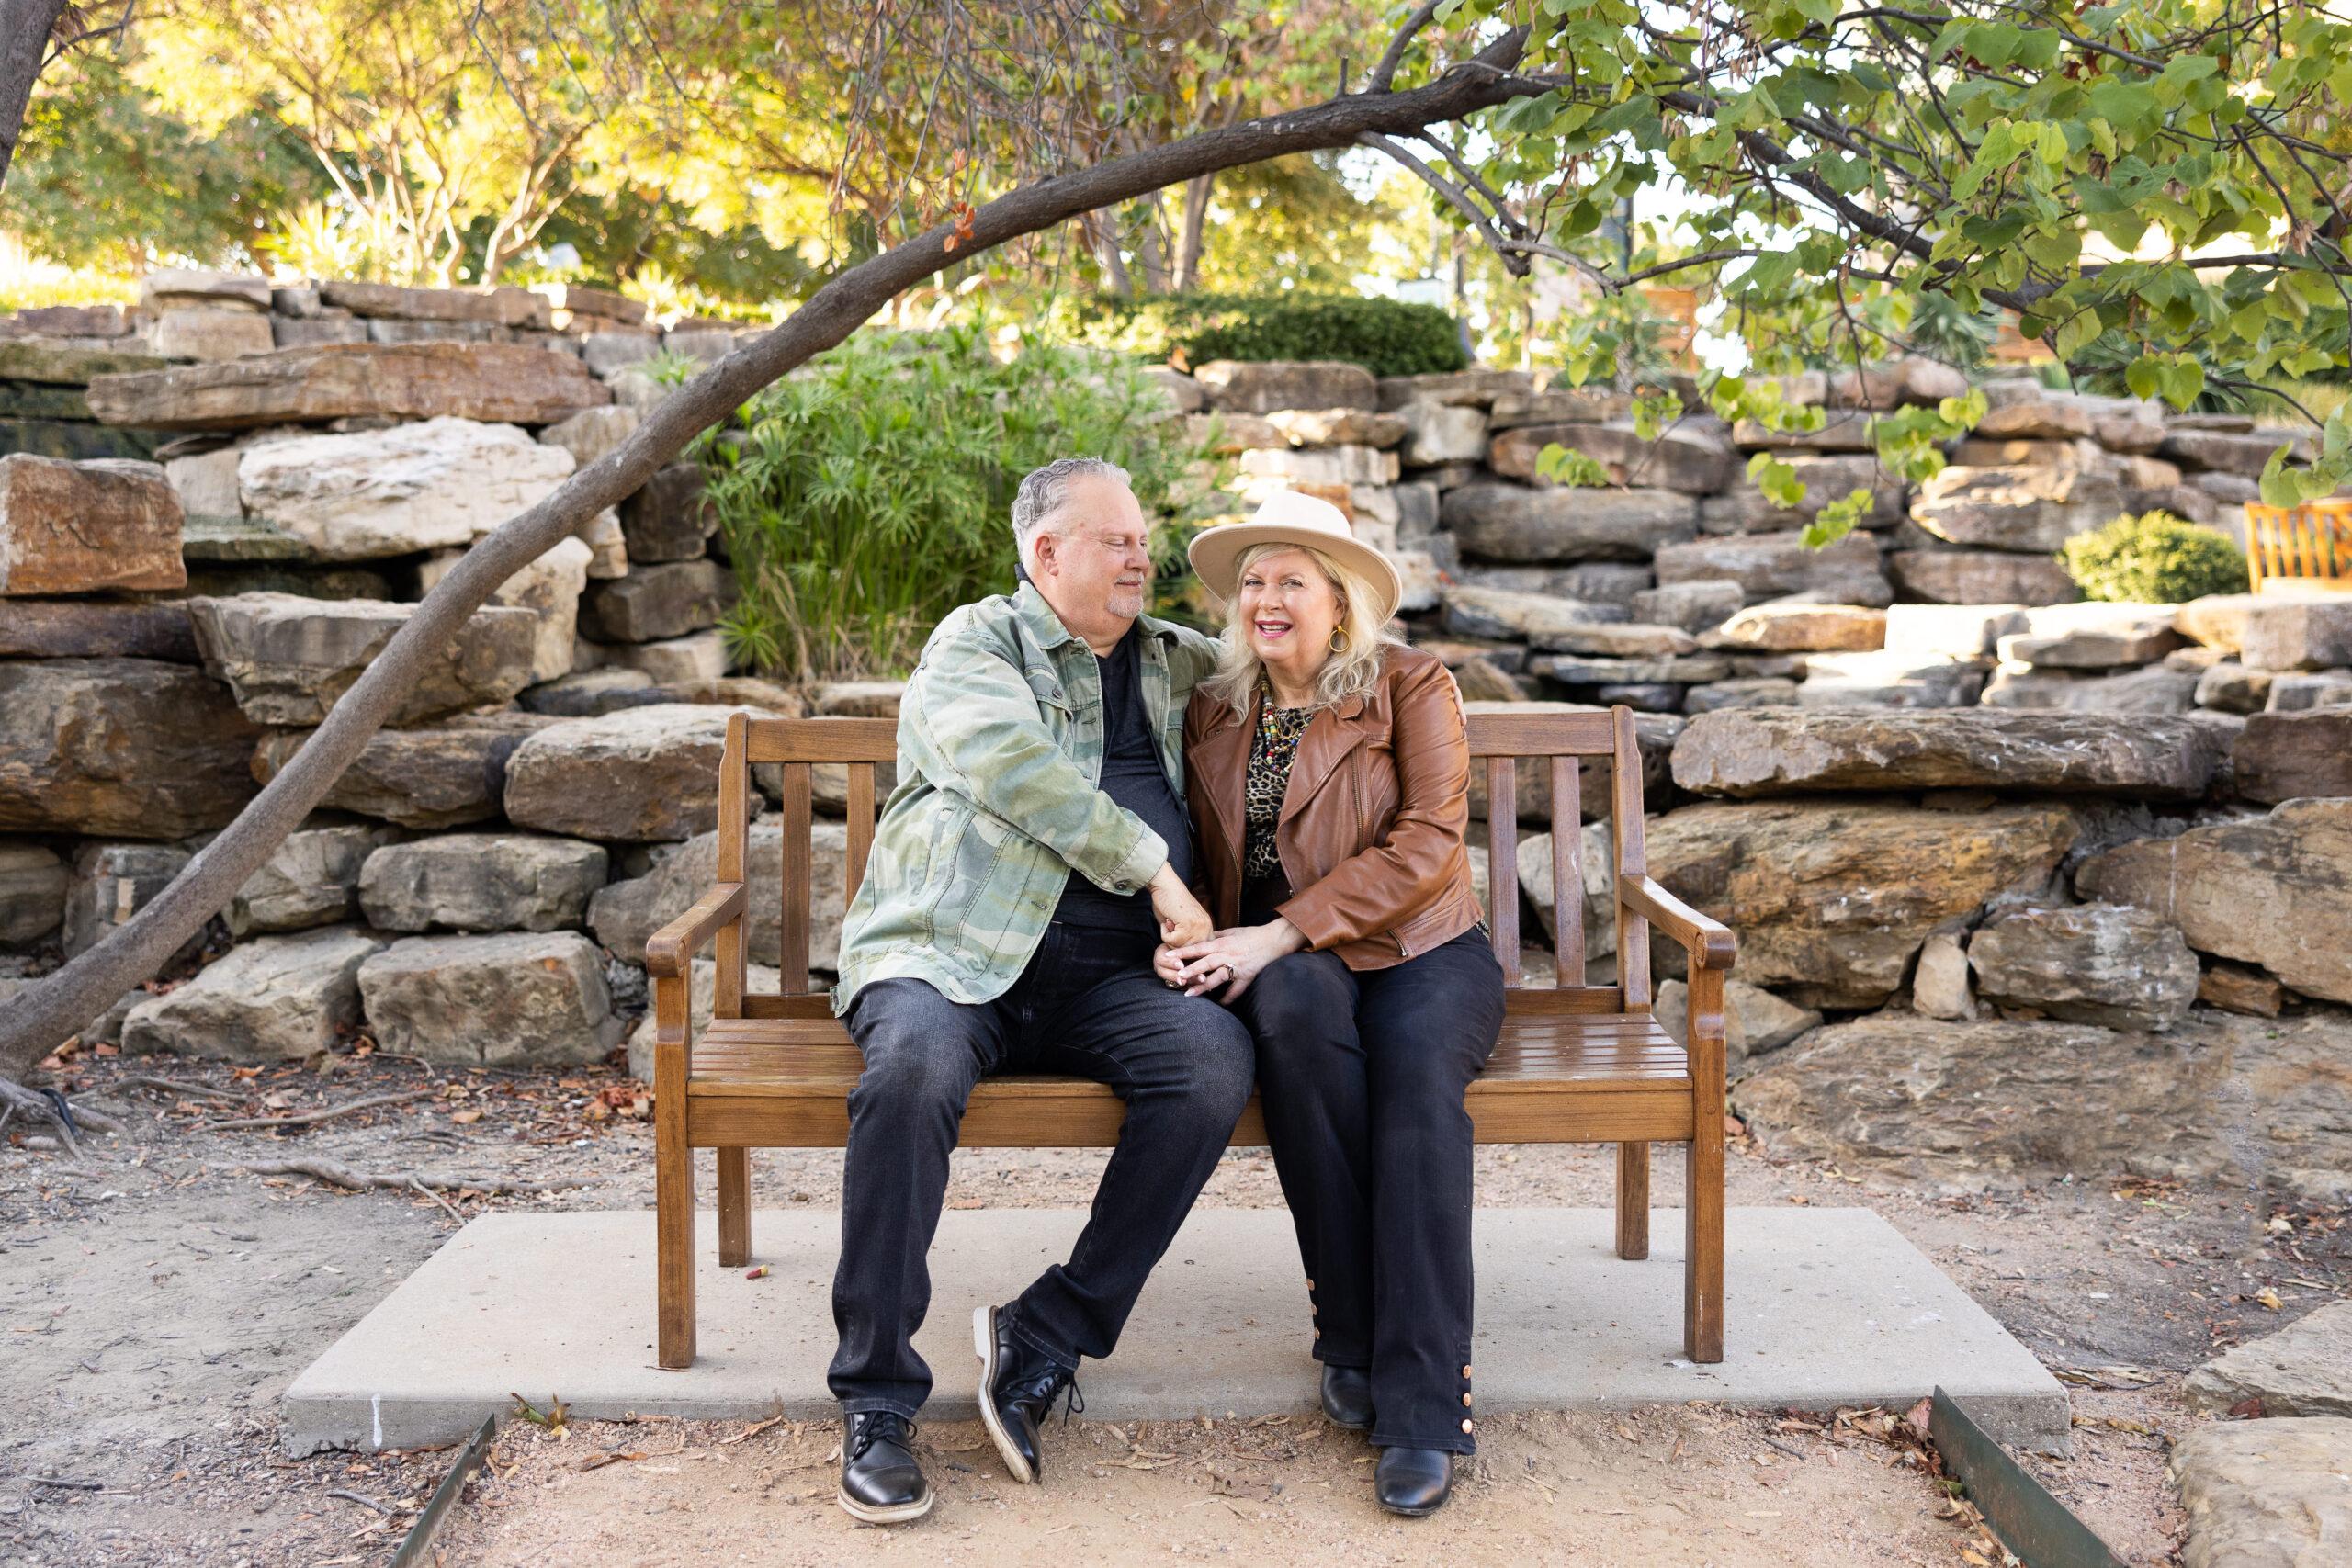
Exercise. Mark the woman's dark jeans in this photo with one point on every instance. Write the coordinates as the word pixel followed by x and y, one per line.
pixel 1362 1077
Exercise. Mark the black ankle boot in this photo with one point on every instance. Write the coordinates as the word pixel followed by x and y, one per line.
pixel 1018 1387
pixel 1413 1482
pixel 1347 1396
pixel 881 1481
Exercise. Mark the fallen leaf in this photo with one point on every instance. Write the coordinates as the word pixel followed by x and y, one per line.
pixel 465 1118
pixel 2268 1298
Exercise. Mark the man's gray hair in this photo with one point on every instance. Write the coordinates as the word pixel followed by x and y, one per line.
pixel 1043 493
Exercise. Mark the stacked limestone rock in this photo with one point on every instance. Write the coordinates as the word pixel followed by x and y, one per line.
pixel 480 883
pixel 1683 589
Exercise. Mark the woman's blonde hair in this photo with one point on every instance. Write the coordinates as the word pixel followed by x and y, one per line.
pixel 1349 672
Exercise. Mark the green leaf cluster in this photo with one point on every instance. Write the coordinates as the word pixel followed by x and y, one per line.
pixel 870 492
pixel 2154 559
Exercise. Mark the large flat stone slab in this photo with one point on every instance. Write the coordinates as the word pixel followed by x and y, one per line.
pixel 1824 1307
pixel 501 383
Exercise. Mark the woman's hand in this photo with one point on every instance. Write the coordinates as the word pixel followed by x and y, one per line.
pixel 1232 958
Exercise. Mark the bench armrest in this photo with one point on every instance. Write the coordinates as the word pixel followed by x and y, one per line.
pixel 669 949
pixel 1708 943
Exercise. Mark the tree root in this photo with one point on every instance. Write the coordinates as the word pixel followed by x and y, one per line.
pixel 176 1086
pixel 46 1106
pixel 312 1118
pixel 341 1175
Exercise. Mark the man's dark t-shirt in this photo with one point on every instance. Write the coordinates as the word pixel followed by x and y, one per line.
pixel 1132 776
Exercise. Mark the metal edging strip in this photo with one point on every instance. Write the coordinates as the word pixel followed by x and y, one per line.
pixel 444 1497
pixel 2037 1528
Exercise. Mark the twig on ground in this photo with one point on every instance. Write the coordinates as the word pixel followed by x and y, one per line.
pixel 384 1509
pixel 312 1118
pixel 68 1484
pixel 440 1199
pixel 176 1086
pixel 341 1175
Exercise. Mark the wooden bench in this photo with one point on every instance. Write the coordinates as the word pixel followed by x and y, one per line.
pixel 2311 543
pixel 1577 1064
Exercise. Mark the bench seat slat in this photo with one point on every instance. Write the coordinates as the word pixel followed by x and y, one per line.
pixel 1553 1079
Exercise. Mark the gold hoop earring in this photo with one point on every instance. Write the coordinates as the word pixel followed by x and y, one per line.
pixel 1338 640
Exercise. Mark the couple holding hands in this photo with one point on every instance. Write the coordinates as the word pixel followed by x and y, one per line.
pixel 1176 865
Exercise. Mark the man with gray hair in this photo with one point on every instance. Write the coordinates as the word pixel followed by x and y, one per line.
pixel 1034 852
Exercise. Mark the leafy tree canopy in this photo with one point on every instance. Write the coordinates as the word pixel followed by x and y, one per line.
pixel 2162 181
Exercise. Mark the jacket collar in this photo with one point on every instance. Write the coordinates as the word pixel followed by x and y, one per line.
pixel 1330 736
pixel 1047 626
pixel 1222 757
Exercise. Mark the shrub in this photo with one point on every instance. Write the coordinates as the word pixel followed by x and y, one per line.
pixel 2155 558
pixel 1384 336
pixel 870 492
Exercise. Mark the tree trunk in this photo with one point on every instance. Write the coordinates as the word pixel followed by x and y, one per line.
pixel 1196 231
pixel 1102 232
pixel 46 1013
pixel 25 29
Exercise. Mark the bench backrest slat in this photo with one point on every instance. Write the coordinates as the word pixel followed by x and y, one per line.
pixel 799 793
pixel 1567 873
pixel 1626 835
pixel 734 821
pixel 1502 863
pixel 861 823
pixel 824 739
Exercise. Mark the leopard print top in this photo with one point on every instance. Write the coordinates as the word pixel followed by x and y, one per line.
pixel 1272 750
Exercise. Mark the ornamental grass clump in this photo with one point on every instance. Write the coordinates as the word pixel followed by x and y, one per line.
pixel 2154 559
pixel 871 493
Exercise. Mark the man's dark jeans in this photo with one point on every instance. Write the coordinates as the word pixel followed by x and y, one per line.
pixel 1362 1077
pixel 1088 1005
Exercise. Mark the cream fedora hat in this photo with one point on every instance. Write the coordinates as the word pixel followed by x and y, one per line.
pixel 1289 517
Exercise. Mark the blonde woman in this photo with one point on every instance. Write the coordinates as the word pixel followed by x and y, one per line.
pixel 1328 774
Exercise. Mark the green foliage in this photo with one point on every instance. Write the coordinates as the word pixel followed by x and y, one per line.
pixel 107 178
pixel 1847 183
pixel 2154 559
pixel 1384 336
pixel 869 493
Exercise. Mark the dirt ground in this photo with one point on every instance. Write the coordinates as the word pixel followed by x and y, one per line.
pixel 157 1298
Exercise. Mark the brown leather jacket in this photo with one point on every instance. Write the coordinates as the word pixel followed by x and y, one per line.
pixel 1372 832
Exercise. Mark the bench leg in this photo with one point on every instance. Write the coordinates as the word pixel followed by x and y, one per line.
pixel 734 1208
pixel 1634 1201
pixel 674 1241
pixel 1702 1250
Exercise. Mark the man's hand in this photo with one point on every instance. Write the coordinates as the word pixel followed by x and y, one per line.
pixel 1231 958
pixel 1181 918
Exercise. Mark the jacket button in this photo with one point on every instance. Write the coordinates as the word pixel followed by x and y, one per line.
pixel 1311 1284
pixel 1318 1333
pixel 1465 1369
pixel 1466 1400
pixel 1467 1426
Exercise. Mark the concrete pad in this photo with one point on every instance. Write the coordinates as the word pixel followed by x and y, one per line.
pixel 1824 1307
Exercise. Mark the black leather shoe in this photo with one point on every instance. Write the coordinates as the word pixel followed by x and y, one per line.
pixel 1347 1396
pixel 881 1481
pixel 1413 1482
pixel 1018 1387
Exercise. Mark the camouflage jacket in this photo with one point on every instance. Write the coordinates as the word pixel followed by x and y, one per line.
pixel 1000 751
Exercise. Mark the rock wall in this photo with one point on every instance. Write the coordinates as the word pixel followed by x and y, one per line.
pixel 2023 886
pixel 215 510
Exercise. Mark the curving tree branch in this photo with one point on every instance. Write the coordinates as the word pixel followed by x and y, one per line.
pixel 45 1014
